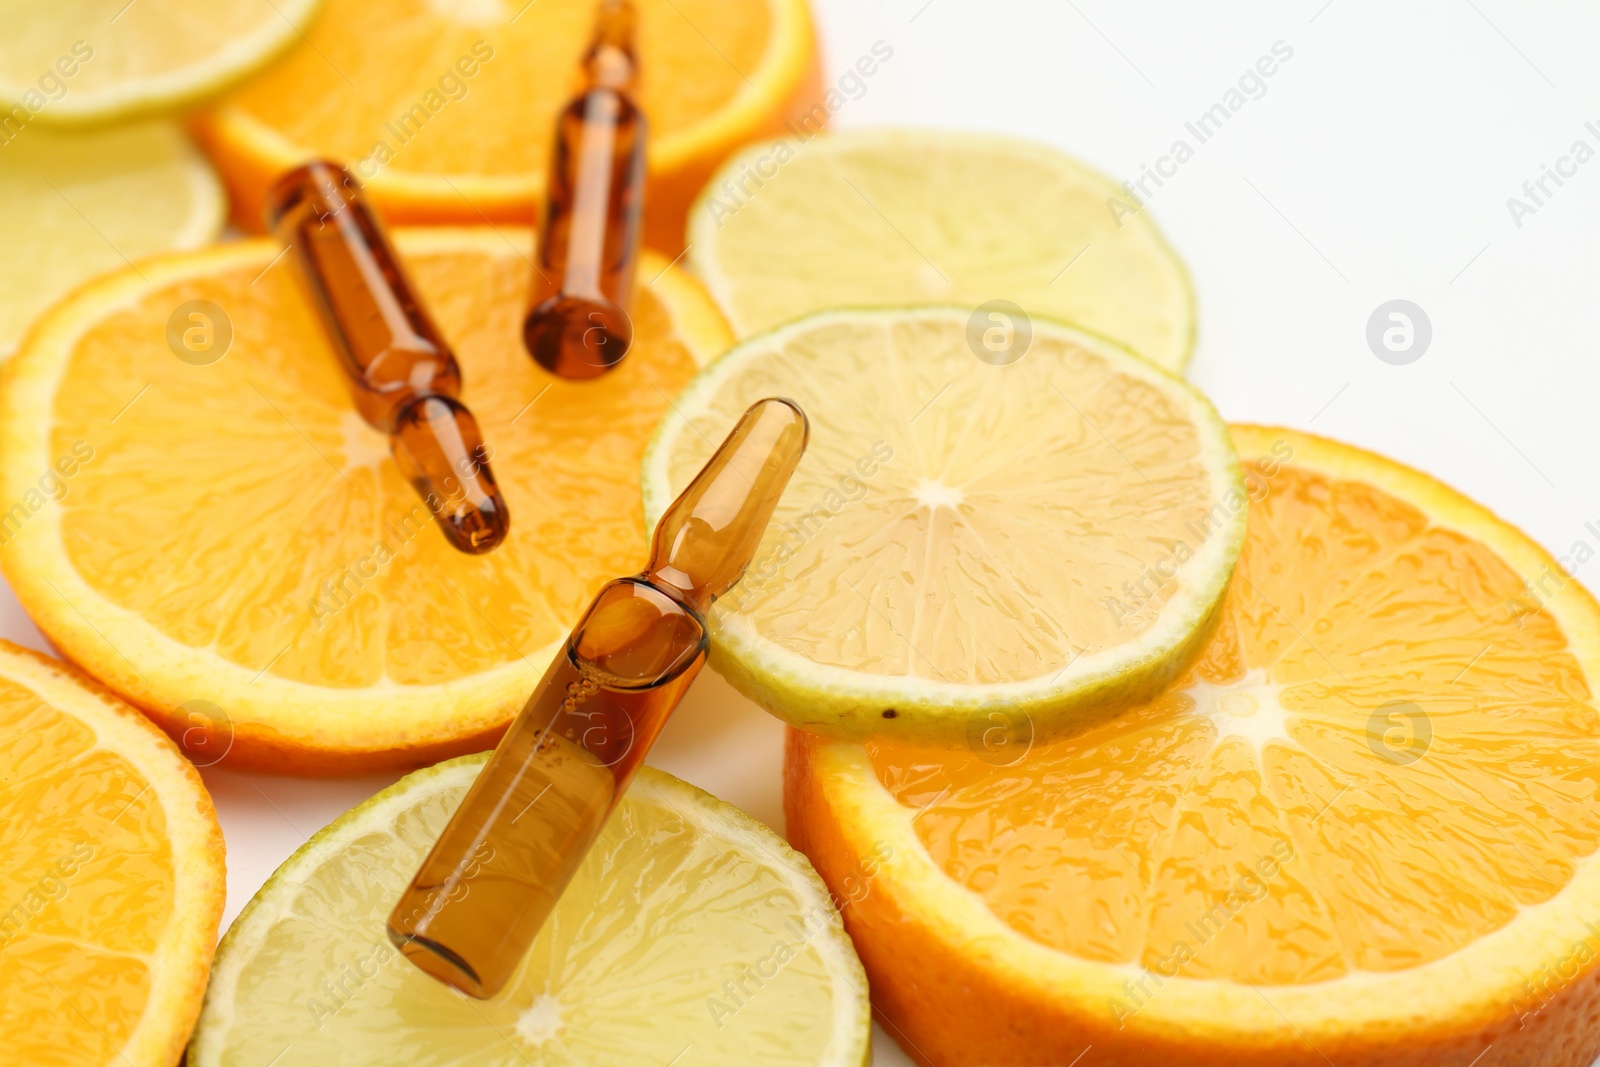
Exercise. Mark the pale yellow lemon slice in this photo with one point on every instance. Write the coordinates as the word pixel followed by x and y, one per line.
pixel 887 217
pixel 81 204
pixel 73 62
pixel 684 900
pixel 970 546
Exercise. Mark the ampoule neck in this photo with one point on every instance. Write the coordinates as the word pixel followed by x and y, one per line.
pixel 681 587
pixel 709 535
pixel 611 62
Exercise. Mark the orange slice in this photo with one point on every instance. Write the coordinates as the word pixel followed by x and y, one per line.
pixel 111 875
pixel 445 108
pixel 1361 830
pixel 230 531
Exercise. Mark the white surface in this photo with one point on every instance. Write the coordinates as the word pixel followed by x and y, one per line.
pixel 1376 166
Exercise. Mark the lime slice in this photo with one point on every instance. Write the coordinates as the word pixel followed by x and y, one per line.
pixel 875 218
pixel 690 931
pixel 82 204
pixel 72 62
pixel 970 551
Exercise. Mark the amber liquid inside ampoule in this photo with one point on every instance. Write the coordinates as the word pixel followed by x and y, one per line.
pixel 578 324
pixel 544 796
pixel 523 829
pixel 402 375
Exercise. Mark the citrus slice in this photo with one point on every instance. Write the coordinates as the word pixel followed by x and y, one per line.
pixel 446 108
pixel 111 875
pixel 967 546
pixel 83 61
pixel 886 217
pixel 196 512
pixel 81 204
pixel 683 900
pixel 1361 830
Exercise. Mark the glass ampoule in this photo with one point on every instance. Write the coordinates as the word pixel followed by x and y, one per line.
pixel 483 893
pixel 578 324
pixel 403 376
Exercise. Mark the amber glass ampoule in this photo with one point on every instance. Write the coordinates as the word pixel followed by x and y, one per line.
pixel 403 376
pixel 578 324
pixel 480 897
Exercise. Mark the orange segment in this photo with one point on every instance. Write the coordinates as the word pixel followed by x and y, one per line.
pixel 1368 807
pixel 446 109
pixel 111 875
pixel 303 586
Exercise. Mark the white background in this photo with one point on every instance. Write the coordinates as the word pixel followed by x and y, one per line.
pixel 1376 166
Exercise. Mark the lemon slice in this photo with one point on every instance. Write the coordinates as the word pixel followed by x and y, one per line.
pixel 86 61
pixel 691 931
pixel 82 204
pixel 970 550
pixel 873 218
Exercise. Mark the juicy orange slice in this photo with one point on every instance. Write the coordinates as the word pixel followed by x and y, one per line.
pixel 446 108
pixel 220 525
pixel 1362 827
pixel 111 875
